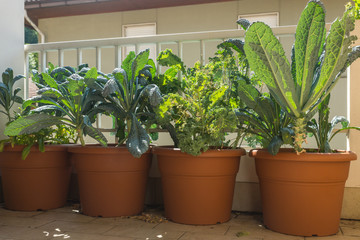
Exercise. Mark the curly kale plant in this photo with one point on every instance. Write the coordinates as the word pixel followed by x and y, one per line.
pixel 129 97
pixel 200 115
pixel 318 60
pixel 64 99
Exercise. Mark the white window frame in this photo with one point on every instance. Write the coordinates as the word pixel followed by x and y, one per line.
pixel 124 48
pixel 260 14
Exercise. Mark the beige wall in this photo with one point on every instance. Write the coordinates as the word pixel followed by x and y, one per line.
pixel 11 41
pixel 206 17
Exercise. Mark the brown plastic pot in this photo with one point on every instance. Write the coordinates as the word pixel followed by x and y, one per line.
pixel 112 182
pixel 198 190
pixel 302 194
pixel 40 182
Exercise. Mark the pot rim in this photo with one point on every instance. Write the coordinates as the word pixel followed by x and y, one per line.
pixel 99 149
pixel 35 148
pixel 289 154
pixel 171 151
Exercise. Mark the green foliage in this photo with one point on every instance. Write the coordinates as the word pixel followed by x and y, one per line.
pixel 31 36
pixel 8 92
pixel 323 129
pixel 130 98
pixel 64 99
pixel 169 81
pixel 199 115
pixel 60 134
pixel 264 118
pixel 318 60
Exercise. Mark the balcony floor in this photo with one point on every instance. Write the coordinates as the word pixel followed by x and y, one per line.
pixel 68 223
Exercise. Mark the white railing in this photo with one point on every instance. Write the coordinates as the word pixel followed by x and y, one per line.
pixel 118 45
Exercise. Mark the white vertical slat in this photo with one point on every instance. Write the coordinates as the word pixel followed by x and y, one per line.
pixel 98 58
pixel 158 49
pixel 43 61
pixel 136 48
pixel 26 80
pixel 118 59
pixel 60 58
pixel 78 56
pixel 202 52
pixel 98 67
pixel 181 54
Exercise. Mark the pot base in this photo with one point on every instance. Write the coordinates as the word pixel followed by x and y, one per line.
pixel 302 194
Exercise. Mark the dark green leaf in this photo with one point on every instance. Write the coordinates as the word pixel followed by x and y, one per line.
pixel 30 124
pixel 275 145
pixel 138 141
pixel 96 134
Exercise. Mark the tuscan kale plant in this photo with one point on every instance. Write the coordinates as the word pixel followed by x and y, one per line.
pixel 318 60
pixel 64 99
pixel 8 97
pixel 130 98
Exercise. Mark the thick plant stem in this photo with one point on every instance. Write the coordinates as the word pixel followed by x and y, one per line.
pixel 81 136
pixel 300 134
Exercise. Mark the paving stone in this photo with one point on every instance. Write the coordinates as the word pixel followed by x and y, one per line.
pixel 25 222
pixel 64 223
pixel 353 231
pixel 11 213
pixel 64 216
pixel 65 226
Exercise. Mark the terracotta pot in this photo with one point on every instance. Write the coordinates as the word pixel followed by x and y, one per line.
pixel 198 190
pixel 111 181
pixel 302 194
pixel 40 182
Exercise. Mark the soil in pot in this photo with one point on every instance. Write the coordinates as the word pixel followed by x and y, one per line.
pixel 198 190
pixel 112 182
pixel 40 182
pixel 302 194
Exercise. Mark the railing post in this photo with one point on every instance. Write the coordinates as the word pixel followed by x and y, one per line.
pixel 26 80
pixel 118 59
pixel 42 61
pixel 202 52
pixel 98 58
pixel 78 56
pixel 60 58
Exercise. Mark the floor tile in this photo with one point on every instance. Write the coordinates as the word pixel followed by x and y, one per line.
pixel 209 236
pixel 335 237
pixel 64 216
pixel 65 226
pixel 11 213
pixel 351 231
pixel 85 236
pixel 23 221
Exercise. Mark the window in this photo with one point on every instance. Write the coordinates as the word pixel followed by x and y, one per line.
pixel 134 30
pixel 271 19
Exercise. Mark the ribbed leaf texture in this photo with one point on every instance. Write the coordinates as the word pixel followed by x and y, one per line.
pixel 96 134
pixel 308 42
pixel 267 58
pixel 138 140
pixel 30 124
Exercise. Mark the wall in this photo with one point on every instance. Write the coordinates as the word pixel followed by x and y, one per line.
pixel 11 44
pixel 11 41
pixel 209 17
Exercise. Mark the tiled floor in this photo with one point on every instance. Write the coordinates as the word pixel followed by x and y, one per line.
pixel 68 223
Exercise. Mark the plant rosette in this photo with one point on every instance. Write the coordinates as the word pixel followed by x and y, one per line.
pixel 303 180
pixel 302 194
